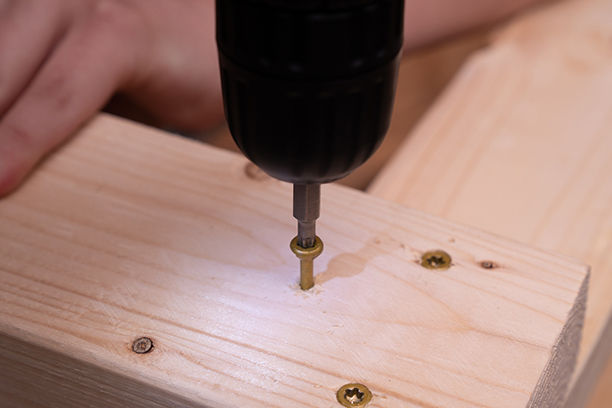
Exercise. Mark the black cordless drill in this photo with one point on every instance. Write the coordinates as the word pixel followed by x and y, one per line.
pixel 308 88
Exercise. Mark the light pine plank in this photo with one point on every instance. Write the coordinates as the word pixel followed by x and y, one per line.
pixel 129 232
pixel 520 145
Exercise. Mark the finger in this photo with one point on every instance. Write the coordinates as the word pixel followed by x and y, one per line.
pixel 72 85
pixel 28 32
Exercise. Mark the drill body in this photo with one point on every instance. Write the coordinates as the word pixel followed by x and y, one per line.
pixel 308 86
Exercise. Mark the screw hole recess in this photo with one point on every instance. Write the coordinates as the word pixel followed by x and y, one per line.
pixel 436 260
pixel 354 395
pixel 254 173
pixel 142 345
pixel 488 265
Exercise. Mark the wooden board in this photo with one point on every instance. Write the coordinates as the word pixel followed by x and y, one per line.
pixel 520 145
pixel 129 232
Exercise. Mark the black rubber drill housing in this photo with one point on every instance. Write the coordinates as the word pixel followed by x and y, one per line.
pixel 308 85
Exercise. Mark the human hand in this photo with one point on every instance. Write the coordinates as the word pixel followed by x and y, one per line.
pixel 61 61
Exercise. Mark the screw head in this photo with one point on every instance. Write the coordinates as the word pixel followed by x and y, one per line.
pixel 436 260
pixel 354 395
pixel 306 253
pixel 142 345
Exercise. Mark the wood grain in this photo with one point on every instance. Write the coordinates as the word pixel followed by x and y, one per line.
pixel 130 232
pixel 520 145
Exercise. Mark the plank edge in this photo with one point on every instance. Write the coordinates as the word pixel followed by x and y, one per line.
pixel 552 387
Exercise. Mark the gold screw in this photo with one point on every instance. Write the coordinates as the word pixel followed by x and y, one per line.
pixel 354 395
pixel 306 257
pixel 436 260
pixel 142 345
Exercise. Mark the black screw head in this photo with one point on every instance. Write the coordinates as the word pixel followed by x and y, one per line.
pixel 142 345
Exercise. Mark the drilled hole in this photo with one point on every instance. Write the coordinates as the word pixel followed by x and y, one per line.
pixel 488 264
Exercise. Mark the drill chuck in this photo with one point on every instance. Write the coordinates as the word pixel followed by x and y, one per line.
pixel 308 85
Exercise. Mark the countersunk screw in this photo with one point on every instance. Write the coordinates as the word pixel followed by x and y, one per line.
pixel 354 395
pixel 306 257
pixel 436 260
pixel 142 345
